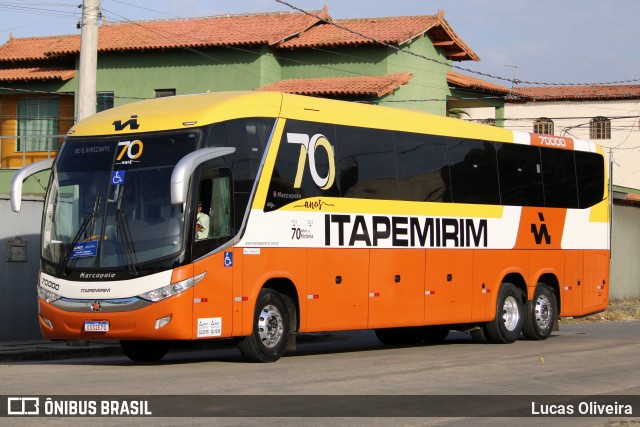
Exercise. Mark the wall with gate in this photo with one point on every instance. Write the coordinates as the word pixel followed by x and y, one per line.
pixel 19 239
pixel 625 247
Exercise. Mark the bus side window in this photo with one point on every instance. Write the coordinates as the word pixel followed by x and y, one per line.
pixel 220 212
pixel 474 171
pixel 520 175
pixel 423 167
pixel 559 178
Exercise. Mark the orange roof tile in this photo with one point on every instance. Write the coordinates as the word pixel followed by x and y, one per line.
pixel 33 48
pixel 290 30
pixel 574 93
pixel 224 30
pixel 340 86
pixel 268 28
pixel 392 30
pixel 469 82
pixel 36 73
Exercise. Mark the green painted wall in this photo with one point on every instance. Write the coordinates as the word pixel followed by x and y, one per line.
pixel 336 62
pixel 428 89
pixel 428 82
pixel 34 185
pixel 137 75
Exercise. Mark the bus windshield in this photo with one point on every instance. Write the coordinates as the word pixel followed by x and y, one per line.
pixel 109 203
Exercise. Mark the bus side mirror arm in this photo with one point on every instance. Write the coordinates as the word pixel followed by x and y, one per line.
pixel 24 173
pixel 183 171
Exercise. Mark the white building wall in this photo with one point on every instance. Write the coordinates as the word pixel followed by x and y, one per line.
pixel 625 247
pixel 571 118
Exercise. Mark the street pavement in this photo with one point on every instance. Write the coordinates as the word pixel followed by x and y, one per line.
pixel 15 351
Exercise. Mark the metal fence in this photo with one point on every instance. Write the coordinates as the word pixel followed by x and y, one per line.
pixel 28 145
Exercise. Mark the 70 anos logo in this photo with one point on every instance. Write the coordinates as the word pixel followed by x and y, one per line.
pixel 133 150
pixel 308 147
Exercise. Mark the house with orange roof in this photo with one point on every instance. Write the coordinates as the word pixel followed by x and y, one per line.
pixel 305 53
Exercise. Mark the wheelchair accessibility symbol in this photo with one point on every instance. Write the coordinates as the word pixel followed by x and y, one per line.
pixel 117 177
pixel 228 259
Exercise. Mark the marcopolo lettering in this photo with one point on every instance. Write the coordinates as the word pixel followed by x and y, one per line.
pixel 402 231
pixel 97 275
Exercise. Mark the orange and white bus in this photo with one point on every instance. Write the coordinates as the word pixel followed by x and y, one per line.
pixel 314 215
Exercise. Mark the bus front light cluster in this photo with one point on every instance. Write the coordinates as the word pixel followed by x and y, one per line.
pixel 47 322
pixel 47 296
pixel 163 321
pixel 168 291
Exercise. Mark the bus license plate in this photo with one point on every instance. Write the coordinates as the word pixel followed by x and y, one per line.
pixel 100 326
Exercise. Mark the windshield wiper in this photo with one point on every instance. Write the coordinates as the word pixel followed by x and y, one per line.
pixel 89 218
pixel 122 226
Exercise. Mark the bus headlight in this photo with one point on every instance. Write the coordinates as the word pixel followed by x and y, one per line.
pixel 168 291
pixel 47 296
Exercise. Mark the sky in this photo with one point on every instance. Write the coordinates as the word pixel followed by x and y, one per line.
pixel 534 41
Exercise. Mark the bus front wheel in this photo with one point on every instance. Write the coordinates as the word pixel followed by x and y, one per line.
pixel 540 313
pixel 268 341
pixel 507 325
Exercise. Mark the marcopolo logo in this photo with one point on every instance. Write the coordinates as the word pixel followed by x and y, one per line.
pixel 308 147
pixel 119 125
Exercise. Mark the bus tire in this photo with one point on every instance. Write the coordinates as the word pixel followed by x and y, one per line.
pixel 506 327
pixel 268 341
pixel 145 351
pixel 400 336
pixel 540 313
pixel 434 334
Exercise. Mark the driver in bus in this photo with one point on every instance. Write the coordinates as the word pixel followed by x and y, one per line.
pixel 202 224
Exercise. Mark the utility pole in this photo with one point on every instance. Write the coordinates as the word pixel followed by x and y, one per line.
pixel 88 59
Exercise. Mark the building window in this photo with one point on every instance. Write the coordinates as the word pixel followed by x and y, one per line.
pixel 38 124
pixel 161 93
pixel 543 125
pixel 600 128
pixel 104 101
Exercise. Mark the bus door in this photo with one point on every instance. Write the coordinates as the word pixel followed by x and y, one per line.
pixel 571 289
pixel 213 228
pixel 396 288
pixel 595 280
pixel 448 286
pixel 337 289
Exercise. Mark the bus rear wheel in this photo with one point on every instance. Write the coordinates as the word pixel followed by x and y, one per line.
pixel 507 325
pixel 268 341
pixel 540 313
pixel 145 351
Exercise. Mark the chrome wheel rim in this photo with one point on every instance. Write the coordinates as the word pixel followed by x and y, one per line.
pixel 270 326
pixel 543 312
pixel 510 313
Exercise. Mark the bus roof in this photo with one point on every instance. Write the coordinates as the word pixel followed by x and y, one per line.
pixel 188 111
pixel 180 112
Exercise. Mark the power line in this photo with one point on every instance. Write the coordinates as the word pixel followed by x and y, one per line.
pixel 24 7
